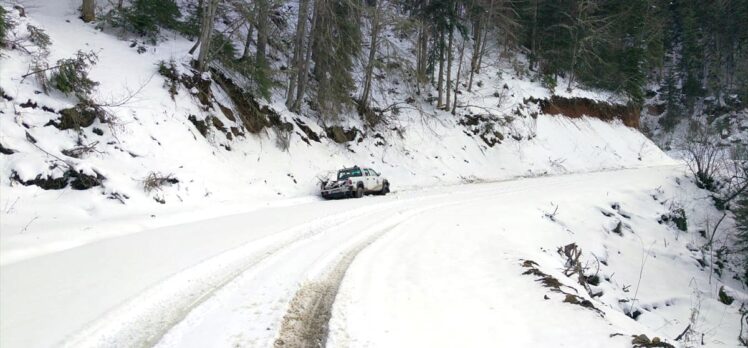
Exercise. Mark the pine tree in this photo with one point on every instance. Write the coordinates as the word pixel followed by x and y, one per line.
pixel 3 26
pixel 674 107
pixel 741 223
pixel 336 39
pixel 692 54
pixel 443 18
pixel 146 17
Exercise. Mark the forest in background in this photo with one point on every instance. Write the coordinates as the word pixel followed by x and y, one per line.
pixel 324 49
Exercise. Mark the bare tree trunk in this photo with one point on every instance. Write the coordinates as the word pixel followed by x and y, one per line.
pixel 449 68
pixel 245 54
pixel 262 13
pixel 298 53
pixel 477 35
pixel 574 52
pixel 482 49
pixel 375 26
pixel 534 34
pixel 457 79
pixel 571 72
pixel 418 58
pixel 88 11
pixel 197 41
pixel 421 56
pixel 440 82
pixel 303 72
pixel 195 46
pixel 424 52
pixel 206 31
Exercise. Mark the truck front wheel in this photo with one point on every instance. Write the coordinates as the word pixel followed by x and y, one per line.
pixel 359 192
pixel 385 188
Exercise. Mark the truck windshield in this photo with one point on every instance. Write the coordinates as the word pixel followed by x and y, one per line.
pixel 347 173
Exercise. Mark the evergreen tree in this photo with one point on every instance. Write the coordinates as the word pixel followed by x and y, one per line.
pixel 674 107
pixel 336 40
pixel 691 54
pixel 146 16
pixel 741 223
pixel 3 26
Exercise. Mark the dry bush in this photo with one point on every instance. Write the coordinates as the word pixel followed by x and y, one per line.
pixel 704 154
pixel 743 336
pixel 81 151
pixel 283 138
pixel 573 266
pixel 155 181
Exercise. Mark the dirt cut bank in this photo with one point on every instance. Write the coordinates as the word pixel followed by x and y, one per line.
pixel 578 107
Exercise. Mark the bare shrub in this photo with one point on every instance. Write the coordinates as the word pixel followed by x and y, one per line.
pixel 572 252
pixel 169 71
pixel 81 151
pixel 283 137
pixel 39 63
pixel 552 215
pixel 156 181
pixel 704 154
pixel 743 336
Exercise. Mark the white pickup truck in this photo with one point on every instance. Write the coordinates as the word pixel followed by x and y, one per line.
pixel 355 182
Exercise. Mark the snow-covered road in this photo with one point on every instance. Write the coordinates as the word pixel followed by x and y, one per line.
pixel 435 267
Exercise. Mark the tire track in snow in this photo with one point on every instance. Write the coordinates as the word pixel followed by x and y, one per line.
pixel 306 321
pixel 146 318
pixel 143 320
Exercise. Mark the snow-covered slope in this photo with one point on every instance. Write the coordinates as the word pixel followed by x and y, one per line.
pixel 149 133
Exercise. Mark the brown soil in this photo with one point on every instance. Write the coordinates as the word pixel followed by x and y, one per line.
pixel 244 104
pixel 341 135
pixel 578 107
pixel 555 285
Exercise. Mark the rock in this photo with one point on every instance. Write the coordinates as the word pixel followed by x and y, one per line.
pixel 79 116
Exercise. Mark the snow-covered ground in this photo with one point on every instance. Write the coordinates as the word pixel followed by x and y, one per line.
pixel 439 267
pixel 242 252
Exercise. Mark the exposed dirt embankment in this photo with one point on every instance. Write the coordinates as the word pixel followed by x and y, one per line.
pixel 578 107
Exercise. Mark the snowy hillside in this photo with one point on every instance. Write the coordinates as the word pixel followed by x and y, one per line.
pixel 158 213
pixel 152 134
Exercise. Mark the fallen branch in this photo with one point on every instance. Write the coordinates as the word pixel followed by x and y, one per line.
pixel 683 333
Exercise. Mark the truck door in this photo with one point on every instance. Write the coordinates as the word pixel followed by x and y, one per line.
pixel 376 180
pixel 368 184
